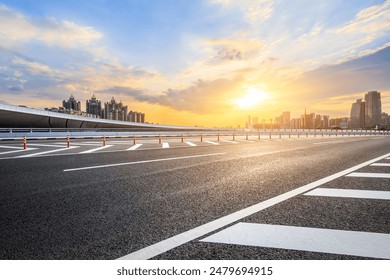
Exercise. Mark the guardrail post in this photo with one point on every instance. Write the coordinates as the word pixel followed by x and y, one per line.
pixel 298 134
pixel 218 137
pixel 24 143
pixel 201 137
pixel 307 134
pixel 133 139
pixel 289 135
pixel 159 139
pixel 270 135
pixel 233 136
pixel 280 135
pixel 246 136
pixel 104 140
pixel 67 141
pixel 182 138
pixel 259 136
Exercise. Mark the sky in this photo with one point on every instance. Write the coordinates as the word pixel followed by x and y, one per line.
pixel 204 62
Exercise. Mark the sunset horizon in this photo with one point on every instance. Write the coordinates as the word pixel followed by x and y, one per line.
pixel 209 63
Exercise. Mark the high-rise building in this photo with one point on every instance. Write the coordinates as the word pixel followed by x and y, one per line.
pixel 94 106
pixel 358 114
pixel 325 122
pixel 136 117
pixel 115 111
pixel 285 120
pixel 373 109
pixel 317 122
pixel 307 120
pixel 72 104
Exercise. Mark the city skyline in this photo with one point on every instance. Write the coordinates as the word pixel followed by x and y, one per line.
pixel 207 63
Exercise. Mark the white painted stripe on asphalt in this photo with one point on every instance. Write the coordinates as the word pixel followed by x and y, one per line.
pixel 96 149
pixel 85 144
pixel 13 147
pixel 191 144
pixel 18 151
pixel 48 152
pixel 134 147
pixel 331 241
pixel 182 238
pixel 229 141
pixel 142 161
pixel 381 164
pixel 369 175
pixel 165 145
pixel 211 142
pixel 387 158
pixel 328 142
pixel 350 193
pixel 47 145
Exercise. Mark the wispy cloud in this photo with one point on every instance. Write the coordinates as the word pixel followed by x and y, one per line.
pixel 15 28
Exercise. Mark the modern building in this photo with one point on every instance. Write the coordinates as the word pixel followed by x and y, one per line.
pixel 308 121
pixel 72 104
pixel 358 115
pixel 115 111
pixel 136 117
pixel 373 109
pixel 94 107
pixel 285 120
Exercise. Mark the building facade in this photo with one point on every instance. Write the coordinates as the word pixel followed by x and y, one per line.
pixel 71 104
pixel 115 111
pixel 373 109
pixel 94 107
pixel 358 115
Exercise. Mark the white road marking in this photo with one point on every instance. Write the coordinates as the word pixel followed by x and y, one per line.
pixel 17 151
pixel 331 241
pixel 48 152
pixel 229 141
pixel 350 193
pixel 13 147
pixel 142 161
pixel 328 142
pixel 134 147
pixel 165 145
pixel 47 145
pixel 387 158
pixel 211 142
pixel 191 144
pixel 86 144
pixel 182 238
pixel 369 175
pixel 381 164
pixel 96 149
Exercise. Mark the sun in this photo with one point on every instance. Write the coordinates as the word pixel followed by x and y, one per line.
pixel 253 97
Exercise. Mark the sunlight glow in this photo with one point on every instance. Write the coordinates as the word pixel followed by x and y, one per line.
pixel 252 98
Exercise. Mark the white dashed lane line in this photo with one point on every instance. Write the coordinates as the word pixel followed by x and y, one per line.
pixel 165 145
pixel 48 152
pixel 191 144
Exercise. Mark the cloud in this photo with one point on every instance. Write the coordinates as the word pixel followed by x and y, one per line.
pixel 255 11
pixel 201 97
pixel 16 28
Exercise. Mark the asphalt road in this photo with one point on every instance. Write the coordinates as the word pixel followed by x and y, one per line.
pixel 109 203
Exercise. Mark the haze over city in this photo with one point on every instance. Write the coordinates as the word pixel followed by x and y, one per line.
pixel 208 63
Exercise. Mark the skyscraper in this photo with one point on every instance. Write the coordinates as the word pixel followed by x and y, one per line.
pixel 115 111
pixel 373 109
pixel 94 106
pixel 72 104
pixel 358 114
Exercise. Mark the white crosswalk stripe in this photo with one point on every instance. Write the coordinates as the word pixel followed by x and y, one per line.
pixel 354 243
pixel 134 147
pixel 96 149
